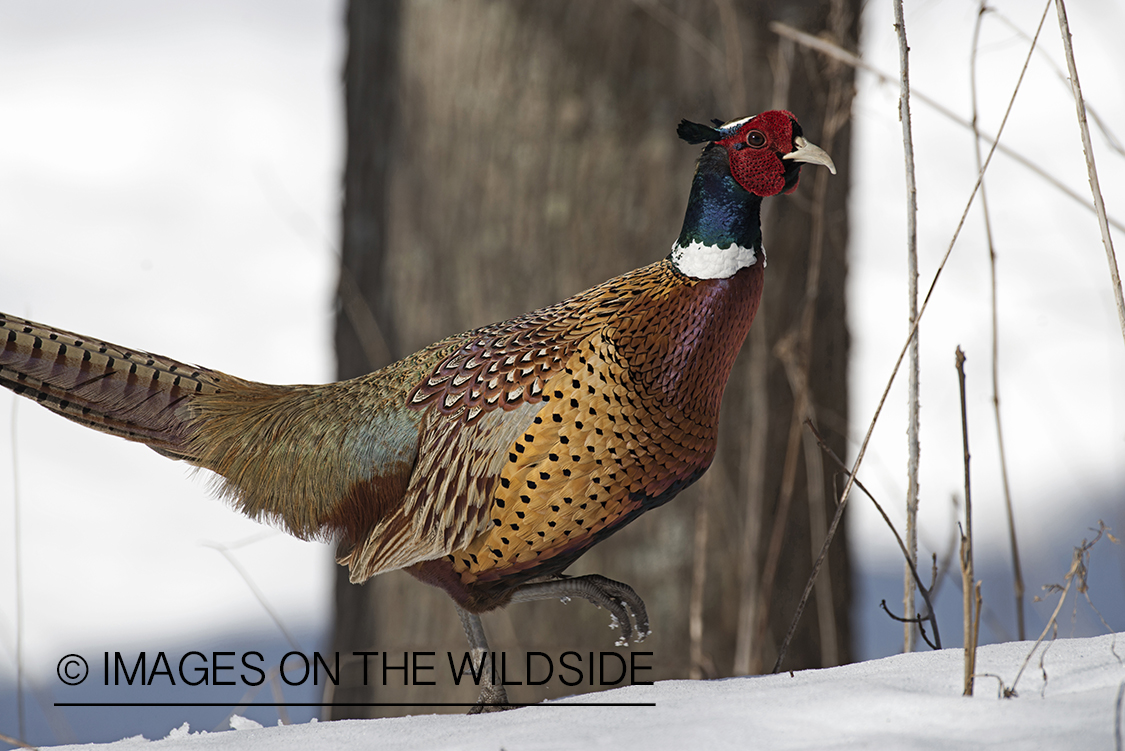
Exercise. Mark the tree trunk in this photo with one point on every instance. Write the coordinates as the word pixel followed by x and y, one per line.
pixel 504 155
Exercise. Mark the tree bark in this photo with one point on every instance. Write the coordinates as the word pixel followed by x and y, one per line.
pixel 504 155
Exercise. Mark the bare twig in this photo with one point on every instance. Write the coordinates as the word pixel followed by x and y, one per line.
pixel 1017 569
pixel 1091 167
pixel 922 589
pixel 836 52
pixel 1077 572
pixel 977 603
pixel 968 582
pixel 811 582
pixel 912 442
pixel 918 620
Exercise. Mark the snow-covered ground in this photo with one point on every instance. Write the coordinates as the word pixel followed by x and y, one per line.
pixel 913 701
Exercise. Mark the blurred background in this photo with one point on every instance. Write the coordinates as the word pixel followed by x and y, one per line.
pixel 186 179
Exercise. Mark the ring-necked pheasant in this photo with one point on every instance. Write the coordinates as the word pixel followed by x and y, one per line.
pixel 488 462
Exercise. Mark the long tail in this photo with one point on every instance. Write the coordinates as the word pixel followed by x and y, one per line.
pixel 135 395
pixel 332 460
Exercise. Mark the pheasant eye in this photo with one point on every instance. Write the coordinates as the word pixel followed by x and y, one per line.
pixel 755 139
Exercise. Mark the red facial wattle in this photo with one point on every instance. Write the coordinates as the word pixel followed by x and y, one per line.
pixel 754 150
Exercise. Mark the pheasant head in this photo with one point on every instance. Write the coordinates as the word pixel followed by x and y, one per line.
pixel 744 161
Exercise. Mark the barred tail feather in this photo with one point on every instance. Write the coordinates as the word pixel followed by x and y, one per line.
pixel 135 395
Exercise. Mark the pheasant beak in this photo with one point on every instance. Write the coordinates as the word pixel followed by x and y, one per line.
pixel 811 153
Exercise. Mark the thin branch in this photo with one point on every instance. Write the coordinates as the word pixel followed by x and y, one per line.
pixel 1050 621
pixel 1077 572
pixel 923 590
pixel 968 581
pixel 1091 167
pixel 836 52
pixel 1017 569
pixel 918 620
pixel 912 442
pixel 811 582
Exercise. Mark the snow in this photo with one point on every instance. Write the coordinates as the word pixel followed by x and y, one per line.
pixel 910 701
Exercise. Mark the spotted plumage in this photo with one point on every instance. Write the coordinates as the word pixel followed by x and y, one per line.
pixel 488 462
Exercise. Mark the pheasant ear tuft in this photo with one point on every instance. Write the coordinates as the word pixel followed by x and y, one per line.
pixel 696 133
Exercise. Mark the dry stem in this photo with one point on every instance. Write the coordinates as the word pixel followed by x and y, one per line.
pixel 824 554
pixel 912 442
pixel 1091 167
pixel 1017 569
pixel 922 589
pixel 1078 571
pixel 967 578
